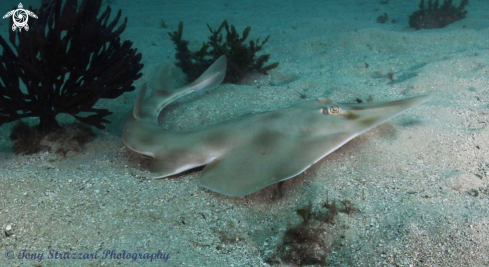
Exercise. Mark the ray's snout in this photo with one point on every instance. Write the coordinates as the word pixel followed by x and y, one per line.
pixel 369 115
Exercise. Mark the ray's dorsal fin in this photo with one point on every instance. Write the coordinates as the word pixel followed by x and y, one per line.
pixel 211 78
pixel 139 102
pixel 163 84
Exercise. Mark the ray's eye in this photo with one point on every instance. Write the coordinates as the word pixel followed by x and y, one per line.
pixel 334 110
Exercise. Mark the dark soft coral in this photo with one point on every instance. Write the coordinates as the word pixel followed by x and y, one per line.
pixel 434 16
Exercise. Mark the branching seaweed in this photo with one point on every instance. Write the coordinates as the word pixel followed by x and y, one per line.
pixel 304 244
pixel 241 57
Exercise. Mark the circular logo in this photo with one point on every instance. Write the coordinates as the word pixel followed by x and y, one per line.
pixel 20 18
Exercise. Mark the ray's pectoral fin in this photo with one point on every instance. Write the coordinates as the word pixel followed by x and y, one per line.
pixel 251 167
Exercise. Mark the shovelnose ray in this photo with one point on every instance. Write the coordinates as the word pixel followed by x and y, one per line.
pixel 249 153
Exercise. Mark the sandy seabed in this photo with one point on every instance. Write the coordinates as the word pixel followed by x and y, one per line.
pixel 420 182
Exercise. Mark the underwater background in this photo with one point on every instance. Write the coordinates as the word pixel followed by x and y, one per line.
pixel 413 191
